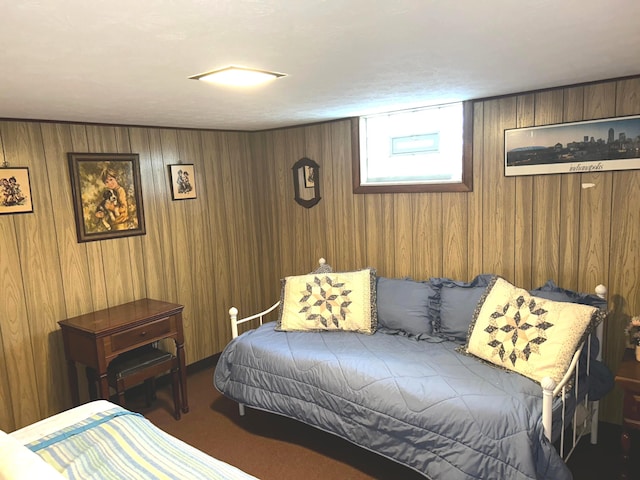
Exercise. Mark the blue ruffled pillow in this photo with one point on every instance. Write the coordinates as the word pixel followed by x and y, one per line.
pixel 403 304
pixel 551 291
pixel 454 303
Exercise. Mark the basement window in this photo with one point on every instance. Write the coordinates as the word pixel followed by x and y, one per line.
pixel 419 150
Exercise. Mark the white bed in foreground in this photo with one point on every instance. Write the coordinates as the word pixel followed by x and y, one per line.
pixel 102 440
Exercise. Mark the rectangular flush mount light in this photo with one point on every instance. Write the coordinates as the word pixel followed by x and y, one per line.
pixel 238 76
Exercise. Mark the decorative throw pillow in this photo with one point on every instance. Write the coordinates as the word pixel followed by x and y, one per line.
pixel 533 336
pixel 454 303
pixel 329 301
pixel 403 304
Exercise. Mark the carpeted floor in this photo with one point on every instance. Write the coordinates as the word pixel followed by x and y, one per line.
pixel 276 448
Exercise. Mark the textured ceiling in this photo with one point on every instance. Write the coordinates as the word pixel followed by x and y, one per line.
pixel 128 62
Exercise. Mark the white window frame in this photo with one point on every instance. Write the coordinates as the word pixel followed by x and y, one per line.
pixel 364 175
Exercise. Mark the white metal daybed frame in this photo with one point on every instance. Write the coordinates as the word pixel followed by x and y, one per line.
pixel 586 408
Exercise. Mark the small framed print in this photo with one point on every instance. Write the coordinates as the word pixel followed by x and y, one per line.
pixel 107 195
pixel 15 190
pixel 309 176
pixel 183 181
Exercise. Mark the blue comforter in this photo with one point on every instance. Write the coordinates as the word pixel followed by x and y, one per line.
pixel 422 404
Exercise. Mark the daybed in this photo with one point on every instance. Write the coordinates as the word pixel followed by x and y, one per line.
pixel 407 380
pixel 101 440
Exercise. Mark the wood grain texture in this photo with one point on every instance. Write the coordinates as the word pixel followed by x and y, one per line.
pixel 231 245
pixel 428 228
pixel 454 214
pixel 524 201
pixel 546 215
pixel 475 206
pixel 20 400
pixel 570 190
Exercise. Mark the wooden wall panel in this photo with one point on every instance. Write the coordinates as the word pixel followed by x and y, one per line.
pixel 474 198
pixel 9 260
pixel 454 241
pixel 20 400
pixel 196 257
pixel 546 208
pixel 48 276
pixel 402 236
pixel 524 201
pixel 57 142
pixel 316 139
pixel 267 220
pixel 212 178
pixel 570 189
pixel 428 227
pixel 304 259
pixel 499 217
pixel 347 208
pixel 41 277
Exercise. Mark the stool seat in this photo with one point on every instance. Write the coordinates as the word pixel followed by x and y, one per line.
pixel 141 365
pixel 133 362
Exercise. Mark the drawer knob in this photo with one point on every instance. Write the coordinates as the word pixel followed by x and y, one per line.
pixel 142 334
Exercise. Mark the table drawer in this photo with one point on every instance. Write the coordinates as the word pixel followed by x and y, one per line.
pixel 142 334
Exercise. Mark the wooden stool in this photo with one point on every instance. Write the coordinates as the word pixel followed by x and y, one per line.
pixel 141 365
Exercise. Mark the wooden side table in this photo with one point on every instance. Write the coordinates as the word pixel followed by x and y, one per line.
pixel 96 338
pixel 628 377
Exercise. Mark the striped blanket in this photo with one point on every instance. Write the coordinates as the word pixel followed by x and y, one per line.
pixel 118 444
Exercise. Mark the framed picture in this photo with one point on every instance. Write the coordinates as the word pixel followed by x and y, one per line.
pixel 15 190
pixel 309 176
pixel 183 181
pixel 107 196
pixel 577 147
pixel 306 182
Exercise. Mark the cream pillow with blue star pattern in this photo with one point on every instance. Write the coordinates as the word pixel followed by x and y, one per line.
pixel 529 335
pixel 343 301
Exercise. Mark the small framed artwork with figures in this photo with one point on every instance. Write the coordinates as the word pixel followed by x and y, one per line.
pixel 15 190
pixel 183 181
pixel 107 195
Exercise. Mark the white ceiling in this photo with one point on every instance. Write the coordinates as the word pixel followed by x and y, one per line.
pixel 128 61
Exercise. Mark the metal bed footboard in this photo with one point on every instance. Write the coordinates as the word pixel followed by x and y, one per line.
pixel 233 313
pixel 573 427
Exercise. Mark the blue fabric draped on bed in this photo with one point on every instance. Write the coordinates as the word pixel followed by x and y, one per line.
pixel 421 404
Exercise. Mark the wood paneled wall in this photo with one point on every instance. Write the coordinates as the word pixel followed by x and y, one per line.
pixel 232 244
pixel 527 229
pixel 195 252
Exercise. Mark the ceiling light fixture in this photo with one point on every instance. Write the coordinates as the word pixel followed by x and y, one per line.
pixel 238 76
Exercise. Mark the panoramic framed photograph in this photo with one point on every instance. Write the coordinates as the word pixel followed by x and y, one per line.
pixel 576 147
pixel 183 181
pixel 107 195
pixel 15 190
